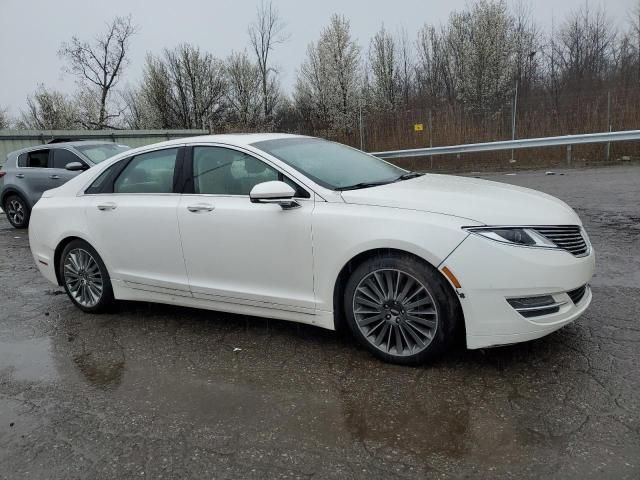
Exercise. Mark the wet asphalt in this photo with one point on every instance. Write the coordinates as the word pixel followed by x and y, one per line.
pixel 153 391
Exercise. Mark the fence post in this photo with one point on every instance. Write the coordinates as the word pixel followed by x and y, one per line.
pixel 568 155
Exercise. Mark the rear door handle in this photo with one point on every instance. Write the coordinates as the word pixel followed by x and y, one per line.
pixel 19 175
pixel 200 207
pixel 54 177
pixel 107 206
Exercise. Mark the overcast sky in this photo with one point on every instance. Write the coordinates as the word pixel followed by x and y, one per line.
pixel 31 30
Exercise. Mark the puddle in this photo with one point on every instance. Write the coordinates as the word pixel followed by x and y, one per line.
pixel 98 372
pixel 28 360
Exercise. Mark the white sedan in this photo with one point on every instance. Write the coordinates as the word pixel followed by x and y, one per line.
pixel 307 230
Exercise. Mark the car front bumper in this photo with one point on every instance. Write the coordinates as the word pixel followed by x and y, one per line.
pixel 490 272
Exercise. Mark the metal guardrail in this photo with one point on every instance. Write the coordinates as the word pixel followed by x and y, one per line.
pixel 568 140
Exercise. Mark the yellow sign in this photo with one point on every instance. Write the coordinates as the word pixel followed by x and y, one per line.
pixel 418 127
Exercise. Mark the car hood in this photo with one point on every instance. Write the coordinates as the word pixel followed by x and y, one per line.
pixel 490 203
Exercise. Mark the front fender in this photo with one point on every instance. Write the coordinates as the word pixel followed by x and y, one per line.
pixel 343 231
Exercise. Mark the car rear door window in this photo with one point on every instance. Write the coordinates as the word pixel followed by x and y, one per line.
pixel 62 157
pixel 151 172
pixel 35 159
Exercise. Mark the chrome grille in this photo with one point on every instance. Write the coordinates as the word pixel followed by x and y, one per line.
pixel 568 238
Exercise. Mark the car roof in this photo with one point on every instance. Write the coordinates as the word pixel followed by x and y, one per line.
pixel 237 139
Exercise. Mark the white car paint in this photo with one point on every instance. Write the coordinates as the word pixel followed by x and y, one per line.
pixel 259 259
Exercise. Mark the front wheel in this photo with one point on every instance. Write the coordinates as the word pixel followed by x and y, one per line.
pixel 85 277
pixel 401 309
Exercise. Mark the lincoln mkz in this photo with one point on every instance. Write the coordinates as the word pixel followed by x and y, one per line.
pixel 311 231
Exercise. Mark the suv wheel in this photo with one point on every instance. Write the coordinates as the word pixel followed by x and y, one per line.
pixel 17 211
pixel 400 309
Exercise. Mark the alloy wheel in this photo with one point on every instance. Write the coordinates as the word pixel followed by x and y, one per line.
pixel 16 211
pixel 395 312
pixel 83 278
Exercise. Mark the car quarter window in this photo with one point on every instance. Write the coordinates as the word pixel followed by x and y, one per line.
pixel 151 172
pixel 224 171
pixel 34 159
pixel 62 157
pixel 98 185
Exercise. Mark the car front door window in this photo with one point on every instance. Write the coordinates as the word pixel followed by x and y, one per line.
pixel 222 171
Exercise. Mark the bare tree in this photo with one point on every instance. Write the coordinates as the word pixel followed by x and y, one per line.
pixel 184 88
pixel 49 110
pixel 137 113
pixel 634 17
pixel 584 48
pixel 434 77
pixel 383 61
pixel 156 94
pixel 264 34
pixel 98 65
pixel 527 47
pixel 406 67
pixel 4 119
pixel 243 94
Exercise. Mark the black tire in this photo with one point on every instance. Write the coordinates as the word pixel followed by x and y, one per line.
pixel 17 211
pixel 437 296
pixel 105 300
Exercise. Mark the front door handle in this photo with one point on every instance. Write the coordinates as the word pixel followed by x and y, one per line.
pixel 200 207
pixel 54 177
pixel 19 175
pixel 107 206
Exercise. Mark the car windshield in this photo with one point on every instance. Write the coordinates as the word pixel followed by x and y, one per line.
pixel 99 153
pixel 331 164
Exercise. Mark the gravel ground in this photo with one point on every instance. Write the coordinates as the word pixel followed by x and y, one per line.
pixel 161 392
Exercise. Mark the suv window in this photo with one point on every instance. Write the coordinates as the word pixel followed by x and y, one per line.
pixel 148 173
pixel 62 156
pixel 35 159
pixel 223 171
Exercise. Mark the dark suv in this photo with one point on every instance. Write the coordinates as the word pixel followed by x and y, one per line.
pixel 27 173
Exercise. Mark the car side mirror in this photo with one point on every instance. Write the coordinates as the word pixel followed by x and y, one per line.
pixel 274 192
pixel 75 166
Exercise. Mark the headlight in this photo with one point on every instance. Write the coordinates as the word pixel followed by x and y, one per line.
pixel 514 235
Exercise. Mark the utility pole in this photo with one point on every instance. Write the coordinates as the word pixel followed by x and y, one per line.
pixel 430 130
pixel 361 127
pixel 513 119
pixel 608 122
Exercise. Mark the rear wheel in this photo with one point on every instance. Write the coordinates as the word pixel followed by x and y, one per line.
pixel 400 309
pixel 85 277
pixel 17 211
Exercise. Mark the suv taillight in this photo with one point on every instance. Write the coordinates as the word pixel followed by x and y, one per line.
pixel 2 174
